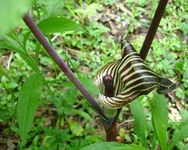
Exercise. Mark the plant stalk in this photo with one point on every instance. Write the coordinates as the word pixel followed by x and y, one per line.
pixel 41 38
pixel 153 28
pixel 111 131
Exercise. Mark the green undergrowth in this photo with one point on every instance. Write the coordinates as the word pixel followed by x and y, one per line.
pixel 42 109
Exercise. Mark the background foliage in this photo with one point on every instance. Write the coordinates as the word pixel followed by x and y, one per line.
pixel 86 35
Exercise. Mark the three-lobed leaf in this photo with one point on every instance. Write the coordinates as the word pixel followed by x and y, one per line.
pixel 28 101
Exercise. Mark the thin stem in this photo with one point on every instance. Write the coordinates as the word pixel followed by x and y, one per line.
pixel 41 38
pixel 153 28
pixel 111 131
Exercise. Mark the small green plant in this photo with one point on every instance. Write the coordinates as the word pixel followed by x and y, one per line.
pixel 160 124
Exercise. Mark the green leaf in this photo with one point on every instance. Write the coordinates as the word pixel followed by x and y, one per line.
pixel 180 66
pixel 90 86
pixel 4 115
pixel 160 118
pixel 75 127
pixel 57 24
pixel 184 113
pixel 54 7
pixel 3 71
pixel 27 104
pixel 180 93
pixel 113 146
pixel 140 121
pixel 180 133
pixel 11 42
pixel 89 10
pixel 185 147
pixel 83 114
pixel 184 27
pixel 142 2
pixel 11 13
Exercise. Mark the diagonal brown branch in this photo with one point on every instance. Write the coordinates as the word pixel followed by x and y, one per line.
pixel 41 38
pixel 153 28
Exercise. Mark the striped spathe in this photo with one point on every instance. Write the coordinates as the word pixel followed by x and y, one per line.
pixel 132 78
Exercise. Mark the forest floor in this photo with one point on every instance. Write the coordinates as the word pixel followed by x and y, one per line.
pixel 64 120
